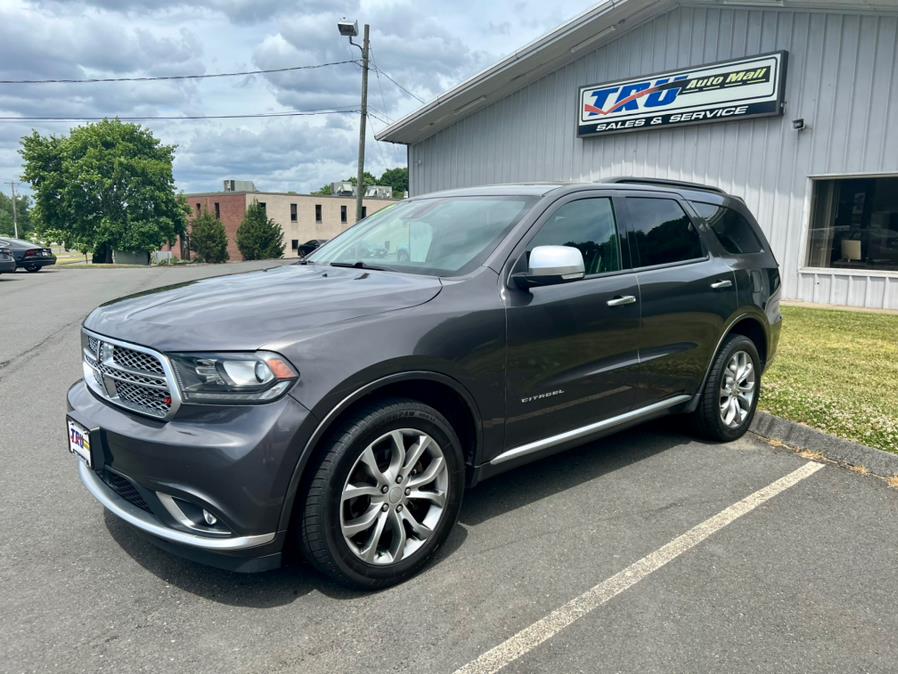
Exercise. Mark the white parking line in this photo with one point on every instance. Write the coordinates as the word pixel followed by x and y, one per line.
pixel 531 637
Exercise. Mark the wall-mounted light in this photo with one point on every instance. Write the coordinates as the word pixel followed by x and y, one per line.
pixel 798 124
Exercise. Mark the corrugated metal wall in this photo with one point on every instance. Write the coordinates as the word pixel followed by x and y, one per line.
pixel 841 79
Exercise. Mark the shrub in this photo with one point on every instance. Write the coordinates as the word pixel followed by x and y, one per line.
pixel 208 239
pixel 259 237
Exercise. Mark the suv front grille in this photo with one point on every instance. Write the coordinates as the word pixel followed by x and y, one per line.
pixel 128 375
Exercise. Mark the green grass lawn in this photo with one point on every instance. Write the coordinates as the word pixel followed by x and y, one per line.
pixel 837 371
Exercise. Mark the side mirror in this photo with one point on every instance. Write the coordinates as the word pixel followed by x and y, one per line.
pixel 550 265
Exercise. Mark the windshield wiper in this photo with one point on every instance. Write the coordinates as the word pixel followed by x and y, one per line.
pixel 362 265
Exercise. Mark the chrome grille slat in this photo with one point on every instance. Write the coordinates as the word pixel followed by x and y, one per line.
pixel 130 376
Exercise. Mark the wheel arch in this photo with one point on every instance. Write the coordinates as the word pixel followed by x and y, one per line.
pixel 749 324
pixel 440 391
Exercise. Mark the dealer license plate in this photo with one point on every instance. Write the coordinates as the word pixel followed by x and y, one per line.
pixel 79 441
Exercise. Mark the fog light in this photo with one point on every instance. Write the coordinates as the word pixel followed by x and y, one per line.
pixel 209 518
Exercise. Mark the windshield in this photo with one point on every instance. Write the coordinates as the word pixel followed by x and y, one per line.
pixel 442 236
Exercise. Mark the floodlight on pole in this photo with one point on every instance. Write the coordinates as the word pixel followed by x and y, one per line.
pixel 348 28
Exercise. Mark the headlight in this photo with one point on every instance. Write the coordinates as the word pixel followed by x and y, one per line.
pixel 232 377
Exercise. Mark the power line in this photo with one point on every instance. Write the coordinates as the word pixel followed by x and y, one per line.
pixel 385 74
pixel 156 78
pixel 380 88
pixel 259 115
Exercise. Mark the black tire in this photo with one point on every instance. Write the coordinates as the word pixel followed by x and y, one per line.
pixel 31 268
pixel 707 419
pixel 321 536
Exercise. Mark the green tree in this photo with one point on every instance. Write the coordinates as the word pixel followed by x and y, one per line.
pixel 105 185
pixel 397 178
pixel 208 238
pixel 23 216
pixel 367 179
pixel 259 237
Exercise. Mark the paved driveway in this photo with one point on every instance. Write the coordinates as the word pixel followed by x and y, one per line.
pixel 647 551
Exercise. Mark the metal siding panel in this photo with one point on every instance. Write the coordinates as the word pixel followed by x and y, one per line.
pixel 840 80
pixel 890 293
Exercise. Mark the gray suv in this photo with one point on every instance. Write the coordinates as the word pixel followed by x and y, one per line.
pixel 341 406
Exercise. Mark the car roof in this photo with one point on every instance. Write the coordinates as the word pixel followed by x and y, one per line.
pixel 19 242
pixel 691 191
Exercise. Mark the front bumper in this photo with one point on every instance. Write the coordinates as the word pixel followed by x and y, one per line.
pixel 236 462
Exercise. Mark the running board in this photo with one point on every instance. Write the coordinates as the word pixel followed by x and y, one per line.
pixel 584 431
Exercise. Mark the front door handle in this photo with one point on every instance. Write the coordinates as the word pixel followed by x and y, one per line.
pixel 726 283
pixel 621 300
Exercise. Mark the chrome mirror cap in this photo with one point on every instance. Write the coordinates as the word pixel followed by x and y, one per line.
pixel 552 264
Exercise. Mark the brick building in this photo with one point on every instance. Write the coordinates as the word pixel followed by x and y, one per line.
pixel 301 216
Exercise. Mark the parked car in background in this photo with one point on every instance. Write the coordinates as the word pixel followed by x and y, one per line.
pixel 31 256
pixel 7 261
pixel 518 321
pixel 310 246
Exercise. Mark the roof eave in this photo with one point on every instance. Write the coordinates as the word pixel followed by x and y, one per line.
pixel 591 29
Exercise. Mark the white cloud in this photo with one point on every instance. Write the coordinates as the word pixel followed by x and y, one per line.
pixel 426 45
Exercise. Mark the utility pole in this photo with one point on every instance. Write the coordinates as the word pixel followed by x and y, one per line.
pixel 15 223
pixel 363 118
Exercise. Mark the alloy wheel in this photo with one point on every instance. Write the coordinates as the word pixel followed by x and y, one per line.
pixel 394 496
pixel 737 390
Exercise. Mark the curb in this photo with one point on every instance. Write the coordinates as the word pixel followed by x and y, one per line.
pixel 878 462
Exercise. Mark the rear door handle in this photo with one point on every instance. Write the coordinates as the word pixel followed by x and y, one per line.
pixel 621 300
pixel 726 283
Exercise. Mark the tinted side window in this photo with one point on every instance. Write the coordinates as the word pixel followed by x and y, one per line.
pixel 732 229
pixel 587 224
pixel 662 232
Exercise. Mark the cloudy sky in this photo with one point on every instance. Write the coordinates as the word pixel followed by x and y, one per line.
pixel 425 45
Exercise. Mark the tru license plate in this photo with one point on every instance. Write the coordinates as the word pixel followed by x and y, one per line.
pixel 79 441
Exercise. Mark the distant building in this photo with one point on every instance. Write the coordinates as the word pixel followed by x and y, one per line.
pixel 239 186
pixel 301 216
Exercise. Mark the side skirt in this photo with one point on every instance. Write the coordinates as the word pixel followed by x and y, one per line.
pixel 537 449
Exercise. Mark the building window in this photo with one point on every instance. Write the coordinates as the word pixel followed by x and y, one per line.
pixel 318 213
pixel 294 215
pixel 662 232
pixel 343 214
pixel 199 210
pixel 294 244
pixel 364 211
pixel 218 210
pixel 263 207
pixel 854 224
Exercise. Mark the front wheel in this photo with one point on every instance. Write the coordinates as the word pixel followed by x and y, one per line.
pixel 384 496
pixel 730 396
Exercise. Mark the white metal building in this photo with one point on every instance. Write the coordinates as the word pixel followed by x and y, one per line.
pixel 811 143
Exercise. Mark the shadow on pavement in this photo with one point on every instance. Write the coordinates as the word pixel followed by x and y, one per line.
pixel 499 495
pixel 556 473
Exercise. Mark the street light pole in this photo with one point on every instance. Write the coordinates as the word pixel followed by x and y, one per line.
pixel 15 223
pixel 363 119
pixel 350 29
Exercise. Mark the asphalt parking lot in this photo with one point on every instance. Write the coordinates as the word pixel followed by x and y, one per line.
pixel 647 551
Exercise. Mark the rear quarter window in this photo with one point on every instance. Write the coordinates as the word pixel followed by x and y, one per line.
pixel 733 231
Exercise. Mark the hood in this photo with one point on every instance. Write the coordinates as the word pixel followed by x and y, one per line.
pixel 251 310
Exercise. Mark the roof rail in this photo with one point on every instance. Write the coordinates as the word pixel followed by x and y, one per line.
pixel 664 181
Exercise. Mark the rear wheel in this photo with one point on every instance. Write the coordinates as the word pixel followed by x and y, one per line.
pixel 730 396
pixel 32 267
pixel 384 496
